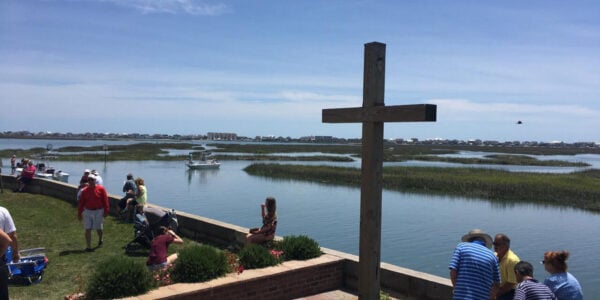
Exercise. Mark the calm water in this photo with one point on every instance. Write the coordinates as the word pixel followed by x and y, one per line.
pixel 418 231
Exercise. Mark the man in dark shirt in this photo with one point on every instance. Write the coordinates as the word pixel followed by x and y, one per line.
pixel 529 288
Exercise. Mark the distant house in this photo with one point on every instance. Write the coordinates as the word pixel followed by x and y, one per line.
pixel 221 136
pixel 323 139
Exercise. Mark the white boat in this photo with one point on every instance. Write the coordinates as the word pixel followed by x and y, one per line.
pixel 50 173
pixel 203 164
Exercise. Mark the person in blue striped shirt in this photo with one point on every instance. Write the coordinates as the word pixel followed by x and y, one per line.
pixel 474 269
pixel 529 288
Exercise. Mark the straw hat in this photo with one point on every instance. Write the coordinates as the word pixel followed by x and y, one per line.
pixel 480 234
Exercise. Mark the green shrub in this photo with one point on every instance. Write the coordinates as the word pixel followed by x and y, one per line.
pixel 254 256
pixel 299 248
pixel 384 296
pixel 197 263
pixel 117 277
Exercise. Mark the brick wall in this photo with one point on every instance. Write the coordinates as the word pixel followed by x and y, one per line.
pixel 285 285
pixel 339 270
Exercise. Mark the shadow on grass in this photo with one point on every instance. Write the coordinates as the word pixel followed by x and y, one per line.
pixel 69 252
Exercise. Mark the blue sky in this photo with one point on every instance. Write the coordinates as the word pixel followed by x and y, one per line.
pixel 269 67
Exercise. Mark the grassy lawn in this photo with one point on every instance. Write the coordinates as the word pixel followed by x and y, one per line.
pixel 44 221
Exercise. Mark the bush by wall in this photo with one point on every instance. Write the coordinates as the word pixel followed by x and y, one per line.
pixel 117 277
pixel 198 263
pixel 254 256
pixel 299 247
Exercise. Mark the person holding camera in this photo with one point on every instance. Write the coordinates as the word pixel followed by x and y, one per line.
pixel 159 249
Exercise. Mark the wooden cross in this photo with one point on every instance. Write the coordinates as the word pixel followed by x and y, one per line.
pixel 372 115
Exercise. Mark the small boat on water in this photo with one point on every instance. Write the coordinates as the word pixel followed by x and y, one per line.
pixel 204 163
pixel 41 171
pixel 51 173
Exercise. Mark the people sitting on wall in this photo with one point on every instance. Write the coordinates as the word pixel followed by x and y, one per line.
pixel 269 219
pixel 130 189
pixel 139 200
pixel 26 176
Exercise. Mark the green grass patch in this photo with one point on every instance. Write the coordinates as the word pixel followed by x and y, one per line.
pixel 44 221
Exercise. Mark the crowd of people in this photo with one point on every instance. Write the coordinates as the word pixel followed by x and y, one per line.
pixel 477 272
pixel 28 170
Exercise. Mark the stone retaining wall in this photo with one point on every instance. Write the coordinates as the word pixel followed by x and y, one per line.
pixel 286 281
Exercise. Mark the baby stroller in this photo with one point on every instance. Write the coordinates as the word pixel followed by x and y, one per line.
pixel 30 267
pixel 146 226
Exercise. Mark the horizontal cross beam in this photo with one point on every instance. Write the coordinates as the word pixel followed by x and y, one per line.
pixel 395 113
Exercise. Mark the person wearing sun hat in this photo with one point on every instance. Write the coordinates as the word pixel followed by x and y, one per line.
pixel 474 269
pixel 83 180
pixel 92 208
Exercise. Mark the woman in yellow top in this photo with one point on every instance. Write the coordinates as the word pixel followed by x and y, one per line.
pixel 140 199
pixel 142 194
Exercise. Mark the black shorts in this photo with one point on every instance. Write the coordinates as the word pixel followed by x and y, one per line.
pixel 25 180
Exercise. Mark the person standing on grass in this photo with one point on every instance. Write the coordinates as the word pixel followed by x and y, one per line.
pixel 99 180
pixel 5 241
pixel 92 207
pixel 8 226
pixel 13 164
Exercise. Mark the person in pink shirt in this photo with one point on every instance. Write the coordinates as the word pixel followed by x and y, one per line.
pixel 92 208
pixel 26 176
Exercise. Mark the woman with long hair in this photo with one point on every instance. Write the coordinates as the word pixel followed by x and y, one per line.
pixel 269 216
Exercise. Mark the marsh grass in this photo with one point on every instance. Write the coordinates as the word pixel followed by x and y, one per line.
pixel 262 152
pixel 578 190
pixel 155 151
pixel 502 159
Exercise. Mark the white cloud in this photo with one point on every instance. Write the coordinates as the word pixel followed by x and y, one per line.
pixel 191 7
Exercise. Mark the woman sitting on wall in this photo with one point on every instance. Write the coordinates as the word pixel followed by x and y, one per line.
pixel 267 231
pixel 26 176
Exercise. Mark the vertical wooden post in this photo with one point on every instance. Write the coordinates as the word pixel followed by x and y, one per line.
pixel 372 164
pixel 372 115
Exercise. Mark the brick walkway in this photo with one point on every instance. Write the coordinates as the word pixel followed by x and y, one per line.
pixel 336 295
pixel 332 295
